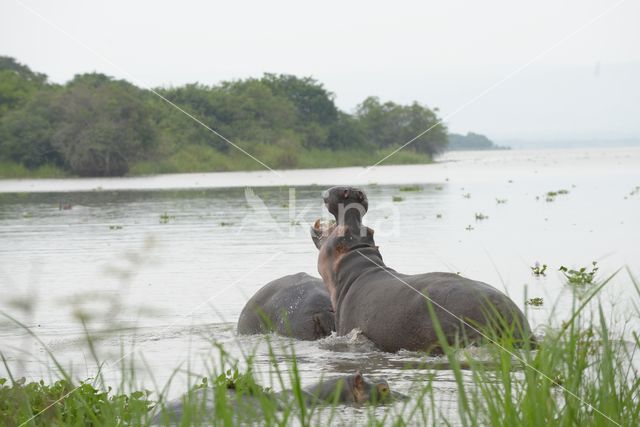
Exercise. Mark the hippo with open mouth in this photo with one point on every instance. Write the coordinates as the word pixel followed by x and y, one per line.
pixel 391 308
pixel 296 306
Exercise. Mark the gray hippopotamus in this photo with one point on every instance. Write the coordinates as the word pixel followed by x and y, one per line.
pixel 391 308
pixel 248 405
pixel 297 306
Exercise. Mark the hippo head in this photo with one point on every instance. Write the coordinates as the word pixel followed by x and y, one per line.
pixel 370 391
pixel 364 390
pixel 336 239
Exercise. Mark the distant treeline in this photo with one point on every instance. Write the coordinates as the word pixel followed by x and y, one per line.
pixel 472 141
pixel 95 125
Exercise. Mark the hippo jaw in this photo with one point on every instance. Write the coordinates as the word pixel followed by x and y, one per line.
pixel 320 231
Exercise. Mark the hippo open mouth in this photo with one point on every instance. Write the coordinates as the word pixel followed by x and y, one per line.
pixel 347 204
pixel 320 230
pixel 336 199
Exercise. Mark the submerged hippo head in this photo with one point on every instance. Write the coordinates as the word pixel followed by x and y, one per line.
pixel 354 388
pixel 336 239
pixel 371 391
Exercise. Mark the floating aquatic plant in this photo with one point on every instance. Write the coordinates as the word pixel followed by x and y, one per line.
pixel 397 198
pixel 582 276
pixel 411 188
pixel 535 301
pixel 165 218
pixel 539 270
pixel 551 195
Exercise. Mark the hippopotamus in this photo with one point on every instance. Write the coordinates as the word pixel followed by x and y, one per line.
pixel 248 404
pixel 354 388
pixel 297 306
pixel 397 311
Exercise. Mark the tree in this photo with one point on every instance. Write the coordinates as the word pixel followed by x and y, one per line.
pixel 312 101
pixel 347 133
pixel 254 112
pixel 316 112
pixel 18 84
pixel 390 125
pixel 104 125
pixel 244 111
pixel 177 130
pixel 26 134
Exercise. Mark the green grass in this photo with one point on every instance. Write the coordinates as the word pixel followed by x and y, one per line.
pixel 580 374
pixel 197 158
pixel 10 170
pixel 193 158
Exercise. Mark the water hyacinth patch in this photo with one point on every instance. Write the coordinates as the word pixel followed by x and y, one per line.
pixel 582 276
pixel 535 301
pixel 539 270
pixel 411 188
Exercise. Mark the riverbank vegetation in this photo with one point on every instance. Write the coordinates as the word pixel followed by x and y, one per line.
pixel 581 372
pixel 95 125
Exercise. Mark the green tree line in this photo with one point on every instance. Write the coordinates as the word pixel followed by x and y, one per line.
pixel 95 125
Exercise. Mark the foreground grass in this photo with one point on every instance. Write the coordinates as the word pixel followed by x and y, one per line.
pixel 580 374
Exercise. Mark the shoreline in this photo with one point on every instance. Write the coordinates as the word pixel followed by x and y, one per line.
pixel 459 165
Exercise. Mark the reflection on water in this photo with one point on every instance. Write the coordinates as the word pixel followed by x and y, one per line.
pixel 166 272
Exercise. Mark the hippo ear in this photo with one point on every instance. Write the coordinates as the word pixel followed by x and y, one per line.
pixel 358 381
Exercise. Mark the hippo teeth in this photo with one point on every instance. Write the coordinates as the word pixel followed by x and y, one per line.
pixel 322 224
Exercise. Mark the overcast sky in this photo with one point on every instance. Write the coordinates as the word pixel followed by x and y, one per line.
pixel 442 54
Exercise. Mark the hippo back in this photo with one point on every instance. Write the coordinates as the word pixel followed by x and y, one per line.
pixel 297 305
pixel 390 308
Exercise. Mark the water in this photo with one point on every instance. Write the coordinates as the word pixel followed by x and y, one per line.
pixel 163 265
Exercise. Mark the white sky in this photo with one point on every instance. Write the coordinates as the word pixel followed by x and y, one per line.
pixel 439 53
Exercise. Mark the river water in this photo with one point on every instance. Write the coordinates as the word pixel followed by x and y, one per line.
pixel 160 267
